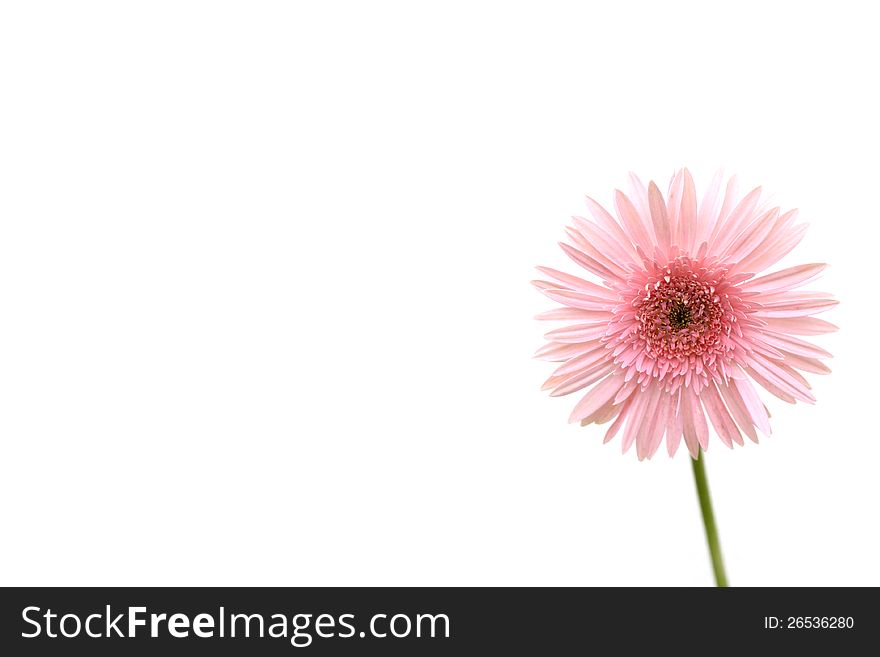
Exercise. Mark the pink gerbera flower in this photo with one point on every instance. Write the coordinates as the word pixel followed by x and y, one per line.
pixel 681 326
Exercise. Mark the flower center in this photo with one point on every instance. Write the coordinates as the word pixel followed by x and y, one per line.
pixel 681 313
pixel 679 316
pixel 678 320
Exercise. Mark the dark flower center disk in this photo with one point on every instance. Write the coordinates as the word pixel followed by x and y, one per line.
pixel 679 316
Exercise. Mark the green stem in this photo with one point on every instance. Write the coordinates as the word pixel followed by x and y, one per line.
pixel 709 520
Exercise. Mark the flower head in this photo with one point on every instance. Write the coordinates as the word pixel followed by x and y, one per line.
pixel 680 324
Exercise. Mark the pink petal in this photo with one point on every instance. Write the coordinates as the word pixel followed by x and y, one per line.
pixel 579 284
pixel 709 210
pixel 786 279
pixel 796 308
pixel 738 411
pixel 771 387
pixel 786 296
pixel 658 215
pixel 727 229
pixel 661 420
pixel 621 418
pixel 574 313
pixel 731 199
pixel 694 426
pixel 648 421
pixel 609 223
pixel 674 426
pixel 605 414
pixel 579 299
pixel 753 405
pixel 553 351
pixel 800 325
pixel 806 364
pixel 635 415
pixel 585 360
pixel 568 371
pixel 719 416
pixel 752 237
pixel 673 205
pixel 588 263
pixel 577 333
pixel 601 414
pixel 582 380
pixel 794 345
pixel 625 392
pixel 596 397
pixel 586 247
pixel 639 195
pixel 777 375
pixel 633 222
pixel 687 218
pixel 622 253
pixel 763 258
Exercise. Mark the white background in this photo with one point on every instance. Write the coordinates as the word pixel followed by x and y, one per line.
pixel 264 304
